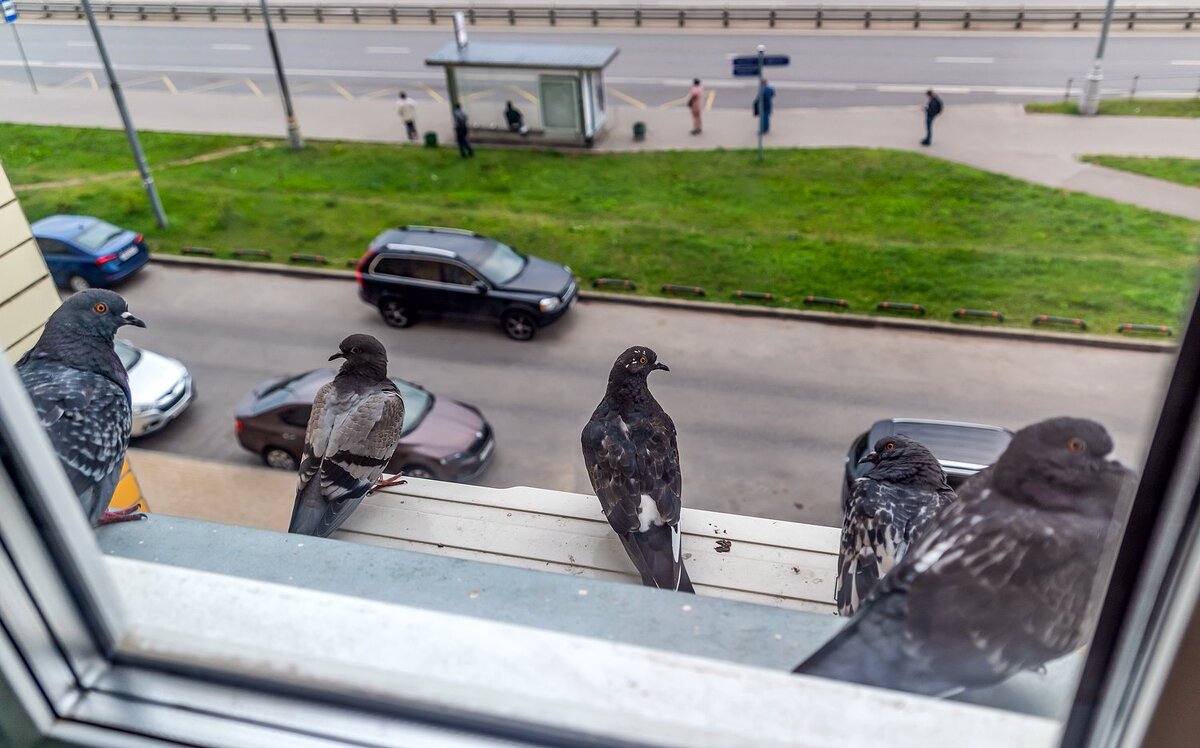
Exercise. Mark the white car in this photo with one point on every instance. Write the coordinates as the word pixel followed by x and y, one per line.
pixel 161 387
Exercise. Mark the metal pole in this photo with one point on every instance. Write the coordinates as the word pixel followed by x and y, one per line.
pixel 130 133
pixel 762 102
pixel 21 49
pixel 293 126
pixel 1089 102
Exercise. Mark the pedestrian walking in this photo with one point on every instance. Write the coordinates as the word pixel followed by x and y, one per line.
pixel 460 132
pixel 764 104
pixel 933 107
pixel 695 101
pixel 407 110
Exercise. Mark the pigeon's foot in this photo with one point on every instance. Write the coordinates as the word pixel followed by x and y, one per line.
pixel 128 514
pixel 395 480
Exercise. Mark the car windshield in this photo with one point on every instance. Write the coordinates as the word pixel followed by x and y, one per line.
pixel 951 443
pixel 278 393
pixel 502 265
pixel 97 235
pixel 417 403
pixel 127 353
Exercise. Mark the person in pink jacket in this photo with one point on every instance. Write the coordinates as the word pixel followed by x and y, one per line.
pixel 695 101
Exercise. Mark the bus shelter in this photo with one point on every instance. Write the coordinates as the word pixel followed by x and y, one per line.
pixel 557 89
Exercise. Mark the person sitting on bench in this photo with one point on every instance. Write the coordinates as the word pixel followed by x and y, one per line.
pixel 516 120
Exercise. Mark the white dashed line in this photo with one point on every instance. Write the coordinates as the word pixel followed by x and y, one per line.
pixel 232 47
pixel 1185 62
pixel 80 44
pixel 388 50
pixel 965 60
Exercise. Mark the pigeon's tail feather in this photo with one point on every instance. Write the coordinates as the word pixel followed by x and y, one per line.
pixel 313 514
pixel 655 553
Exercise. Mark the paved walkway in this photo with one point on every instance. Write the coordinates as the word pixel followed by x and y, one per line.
pixel 1001 138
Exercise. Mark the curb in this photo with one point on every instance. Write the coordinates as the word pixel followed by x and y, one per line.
pixel 842 319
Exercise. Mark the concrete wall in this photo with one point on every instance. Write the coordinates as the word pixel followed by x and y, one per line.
pixel 27 294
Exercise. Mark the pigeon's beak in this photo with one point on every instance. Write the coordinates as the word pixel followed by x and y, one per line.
pixel 129 319
pixel 657 365
pixel 336 356
pixel 872 458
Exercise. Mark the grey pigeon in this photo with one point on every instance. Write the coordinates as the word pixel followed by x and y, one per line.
pixel 632 459
pixel 353 431
pixel 1003 580
pixel 81 392
pixel 889 509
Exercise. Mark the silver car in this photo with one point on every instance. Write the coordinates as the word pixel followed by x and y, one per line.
pixel 161 387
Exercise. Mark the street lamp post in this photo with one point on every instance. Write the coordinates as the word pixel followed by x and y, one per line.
pixel 1089 101
pixel 130 133
pixel 293 125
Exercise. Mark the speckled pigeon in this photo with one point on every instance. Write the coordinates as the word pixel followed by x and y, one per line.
pixel 889 509
pixel 1002 582
pixel 352 434
pixel 81 392
pixel 632 460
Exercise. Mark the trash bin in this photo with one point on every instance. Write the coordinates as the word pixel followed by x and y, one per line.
pixel 639 130
pixel 431 139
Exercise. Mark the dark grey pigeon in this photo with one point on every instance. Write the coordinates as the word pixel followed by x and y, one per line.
pixel 81 392
pixel 632 459
pixel 1003 580
pixel 889 509
pixel 352 433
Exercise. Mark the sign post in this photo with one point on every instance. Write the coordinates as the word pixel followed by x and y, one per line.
pixel 10 18
pixel 752 65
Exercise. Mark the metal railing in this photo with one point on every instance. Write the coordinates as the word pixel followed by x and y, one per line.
pixel 1128 87
pixel 808 17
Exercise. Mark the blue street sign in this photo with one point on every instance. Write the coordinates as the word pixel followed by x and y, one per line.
pixel 767 61
pixel 10 10
pixel 746 71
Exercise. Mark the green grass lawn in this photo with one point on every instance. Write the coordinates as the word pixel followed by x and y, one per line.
pixel 1127 107
pixel 865 225
pixel 1181 170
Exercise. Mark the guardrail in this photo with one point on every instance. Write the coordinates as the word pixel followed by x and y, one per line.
pixel 809 17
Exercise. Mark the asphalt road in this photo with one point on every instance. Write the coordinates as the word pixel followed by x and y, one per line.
pixel 654 68
pixel 765 408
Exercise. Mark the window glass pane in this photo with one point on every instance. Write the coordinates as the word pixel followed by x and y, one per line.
pixel 394 266
pixel 502 264
pixel 97 235
pixel 458 275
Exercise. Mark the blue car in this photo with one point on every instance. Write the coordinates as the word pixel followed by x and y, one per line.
pixel 82 251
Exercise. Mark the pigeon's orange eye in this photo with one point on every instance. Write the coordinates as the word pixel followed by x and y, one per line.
pixel 642 360
pixel 1076 445
pixel 101 308
pixel 890 445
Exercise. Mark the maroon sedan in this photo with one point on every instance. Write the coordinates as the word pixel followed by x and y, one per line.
pixel 443 438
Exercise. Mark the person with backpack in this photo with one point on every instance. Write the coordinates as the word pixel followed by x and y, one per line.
pixel 461 134
pixel 933 107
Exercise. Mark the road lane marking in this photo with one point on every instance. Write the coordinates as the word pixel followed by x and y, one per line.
pixel 476 94
pixel 892 88
pixel 712 96
pixel 388 50
pixel 377 94
pixel 213 86
pixel 524 94
pixel 342 91
pixel 80 44
pixel 965 60
pixel 253 87
pixel 627 98
pixel 433 94
pixel 1185 62
pixel 170 86
pixel 232 47
pixel 675 102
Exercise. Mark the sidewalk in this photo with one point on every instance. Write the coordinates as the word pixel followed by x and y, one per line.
pixel 1000 138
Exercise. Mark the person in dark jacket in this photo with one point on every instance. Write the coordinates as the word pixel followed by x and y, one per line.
pixel 460 132
pixel 933 107
pixel 764 104
pixel 514 118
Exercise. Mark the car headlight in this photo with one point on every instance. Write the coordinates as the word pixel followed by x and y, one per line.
pixel 142 408
pixel 452 458
pixel 549 304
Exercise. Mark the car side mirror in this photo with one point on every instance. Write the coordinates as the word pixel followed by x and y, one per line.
pixel 480 287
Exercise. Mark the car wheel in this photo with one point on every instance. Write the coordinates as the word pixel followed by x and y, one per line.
pixel 277 457
pixel 519 324
pixel 78 283
pixel 396 314
pixel 418 471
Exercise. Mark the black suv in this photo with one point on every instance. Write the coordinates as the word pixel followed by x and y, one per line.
pixel 414 270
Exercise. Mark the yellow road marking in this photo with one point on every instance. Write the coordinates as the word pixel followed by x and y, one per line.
pixel 433 94
pixel 675 102
pixel 344 93
pixel 477 94
pixel 528 96
pixel 626 98
pixel 140 81
pixel 95 85
pixel 253 87
pixel 712 96
pixel 213 86
pixel 378 94
pixel 170 86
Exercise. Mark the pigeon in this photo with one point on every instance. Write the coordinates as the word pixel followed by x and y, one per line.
pixel 1003 580
pixel 80 390
pixel 352 434
pixel 632 459
pixel 889 509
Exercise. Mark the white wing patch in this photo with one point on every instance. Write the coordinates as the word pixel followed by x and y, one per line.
pixel 648 515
